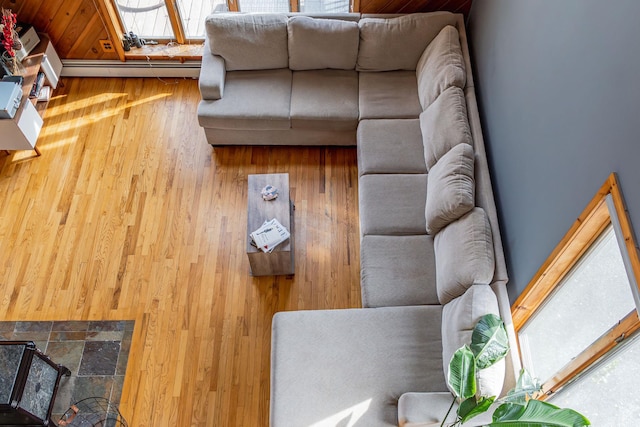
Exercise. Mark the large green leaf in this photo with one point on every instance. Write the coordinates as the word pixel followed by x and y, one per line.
pixel 462 373
pixel 508 411
pixel 489 341
pixel 471 407
pixel 536 414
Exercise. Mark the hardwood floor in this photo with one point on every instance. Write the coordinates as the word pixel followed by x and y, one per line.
pixel 130 214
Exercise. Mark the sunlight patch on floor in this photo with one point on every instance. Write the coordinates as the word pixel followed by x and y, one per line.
pixel 350 416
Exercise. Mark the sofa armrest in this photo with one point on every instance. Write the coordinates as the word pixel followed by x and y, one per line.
pixel 428 409
pixel 212 76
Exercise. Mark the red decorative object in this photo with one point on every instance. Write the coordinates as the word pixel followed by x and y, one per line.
pixel 8 24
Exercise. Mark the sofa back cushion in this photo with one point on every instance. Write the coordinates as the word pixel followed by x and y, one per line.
pixel 464 255
pixel 450 188
pixel 459 317
pixel 316 44
pixel 440 66
pixel 397 43
pixel 444 125
pixel 249 41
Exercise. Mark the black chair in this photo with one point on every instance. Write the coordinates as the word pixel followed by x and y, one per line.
pixel 29 383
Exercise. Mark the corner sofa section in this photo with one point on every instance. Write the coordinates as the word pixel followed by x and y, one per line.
pixel 431 256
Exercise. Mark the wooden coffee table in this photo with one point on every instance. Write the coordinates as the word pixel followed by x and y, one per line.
pixel 280 261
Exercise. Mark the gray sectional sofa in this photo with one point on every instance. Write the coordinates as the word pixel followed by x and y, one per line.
pixel 401 88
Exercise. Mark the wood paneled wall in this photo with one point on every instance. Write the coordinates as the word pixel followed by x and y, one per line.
pixel 75 26
pixel 403 6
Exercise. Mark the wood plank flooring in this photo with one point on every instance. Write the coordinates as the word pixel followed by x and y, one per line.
pixel 130 214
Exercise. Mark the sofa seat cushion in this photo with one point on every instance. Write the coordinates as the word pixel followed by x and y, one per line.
pixel 257 100
pixel 397 270
pixel 464 255
pixel 315 44
pixel 324 99
pixel 397 43
pixel 252 41
pixel 392 204
pixel 459 318
pixel 389 95
pixel 329 366
pixel 390 146
pixel 444 125
pixel 441 66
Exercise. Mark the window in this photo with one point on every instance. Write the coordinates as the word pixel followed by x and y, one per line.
pixel 183 20
pixel 280 6
pixel 192 13
pixel 576 320
pixel 146 18
pixel 306 6
pixel 608 392
pixel 573 317
pixel 324 6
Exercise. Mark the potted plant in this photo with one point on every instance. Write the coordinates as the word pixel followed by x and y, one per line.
pixel 489 344
pixel 10 40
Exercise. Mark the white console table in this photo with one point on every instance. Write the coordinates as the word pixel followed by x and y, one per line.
pixel 21 132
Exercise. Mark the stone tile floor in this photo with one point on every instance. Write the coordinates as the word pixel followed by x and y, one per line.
pixel 96 353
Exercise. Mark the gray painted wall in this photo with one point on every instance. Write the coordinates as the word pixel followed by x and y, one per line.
pixel 559 96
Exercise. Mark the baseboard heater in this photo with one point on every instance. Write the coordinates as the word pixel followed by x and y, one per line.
pixel 107 68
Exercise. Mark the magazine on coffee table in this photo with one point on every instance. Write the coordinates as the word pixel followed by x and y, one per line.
pixel 269 235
